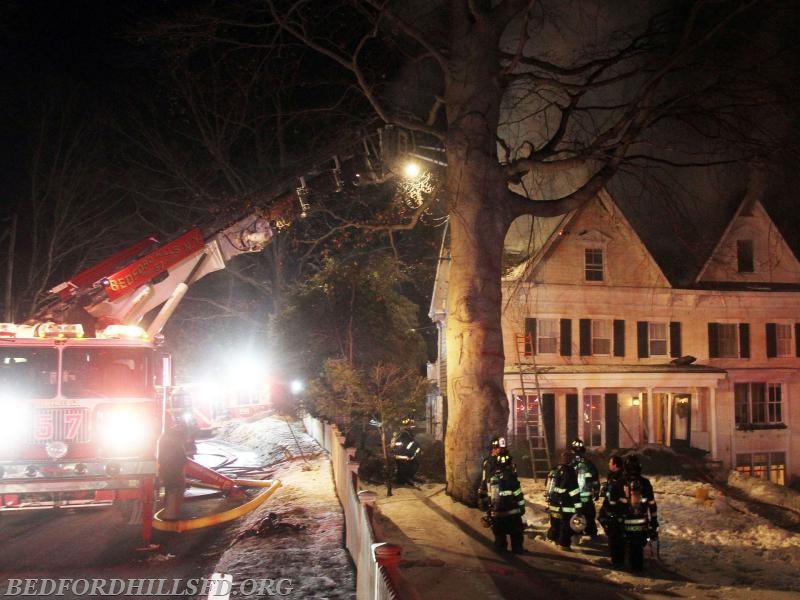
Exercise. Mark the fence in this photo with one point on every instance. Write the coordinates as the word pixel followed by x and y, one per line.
pixel 377 563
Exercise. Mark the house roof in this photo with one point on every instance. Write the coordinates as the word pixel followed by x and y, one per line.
pixel 711 266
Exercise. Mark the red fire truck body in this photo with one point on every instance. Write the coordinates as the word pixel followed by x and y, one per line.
pixel 84 389
pixel 81 415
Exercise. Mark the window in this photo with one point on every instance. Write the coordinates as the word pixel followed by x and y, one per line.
pixel 601 337
pixel 729 340
pixel 744 256
pixel 658 339
pixel 106 372
pixel 783 335
pixel 758 405
pixel 547 333
pixel 763 465
pixel 657 336
pixel 526 410
pixel 782 339
pixel 592 422
pixel 27 373
pixel 594 264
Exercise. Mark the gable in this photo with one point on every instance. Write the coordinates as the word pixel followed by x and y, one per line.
pixel 597 226
pixel 751 251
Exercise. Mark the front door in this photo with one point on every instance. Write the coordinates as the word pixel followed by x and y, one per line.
pixel 681 420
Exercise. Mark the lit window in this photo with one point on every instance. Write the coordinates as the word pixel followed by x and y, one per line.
pixel 601 337
pixel 657 336
pixel 592 420
pixel 526 415
pixel 547 336
pixel 763 465
pixel 594 264
pixel 744 256
pixel 758 403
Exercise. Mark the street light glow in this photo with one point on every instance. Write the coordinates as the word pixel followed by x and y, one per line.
pixel 411 170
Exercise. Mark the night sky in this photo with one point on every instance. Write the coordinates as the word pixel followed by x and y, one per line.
pixel 83 47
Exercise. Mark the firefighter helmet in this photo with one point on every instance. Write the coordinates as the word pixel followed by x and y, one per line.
pixel 577 446
pixel 407 422
pixel 632 466
pixel 498 442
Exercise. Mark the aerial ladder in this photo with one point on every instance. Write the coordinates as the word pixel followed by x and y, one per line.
pixel 82 384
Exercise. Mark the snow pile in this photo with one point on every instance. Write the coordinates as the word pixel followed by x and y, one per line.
pixel 714 539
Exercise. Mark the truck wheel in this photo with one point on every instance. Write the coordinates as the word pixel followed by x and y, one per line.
pixel 131 511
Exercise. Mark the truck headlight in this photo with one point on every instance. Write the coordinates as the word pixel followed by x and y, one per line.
pixel 15 423
pixel 128 430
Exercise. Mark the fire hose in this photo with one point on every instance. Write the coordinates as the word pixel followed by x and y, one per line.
pixel 181 525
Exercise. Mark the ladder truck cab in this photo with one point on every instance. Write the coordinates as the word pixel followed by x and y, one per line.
pixel 82 404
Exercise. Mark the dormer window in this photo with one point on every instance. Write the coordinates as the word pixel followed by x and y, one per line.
pixel 594 270
pixel 744 256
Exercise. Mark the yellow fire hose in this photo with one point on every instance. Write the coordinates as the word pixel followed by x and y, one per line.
pixel 180 525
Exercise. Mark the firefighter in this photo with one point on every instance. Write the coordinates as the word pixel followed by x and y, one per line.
pixel 563 501
pixel 405 451
pixel 500 495
pixel 589 484
pixel 639 514
pixel 174 446
pixel 611 510
pixel 497 447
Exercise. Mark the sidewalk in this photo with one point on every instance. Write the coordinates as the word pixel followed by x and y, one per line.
pixel 448 554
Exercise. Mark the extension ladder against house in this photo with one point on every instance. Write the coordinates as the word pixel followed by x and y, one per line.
pixel 538 448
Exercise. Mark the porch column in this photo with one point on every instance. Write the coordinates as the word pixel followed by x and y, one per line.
pixel 651 418
pixel 668 432
pixel 580 418
pixel 713 416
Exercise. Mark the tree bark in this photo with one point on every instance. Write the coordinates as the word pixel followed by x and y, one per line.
pixel 478 221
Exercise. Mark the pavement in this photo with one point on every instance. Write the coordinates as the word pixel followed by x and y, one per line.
pixel 447 554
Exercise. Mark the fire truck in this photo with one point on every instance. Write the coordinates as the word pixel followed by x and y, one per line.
pixel 82 386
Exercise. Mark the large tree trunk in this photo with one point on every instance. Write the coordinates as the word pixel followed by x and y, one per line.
pixel 476 403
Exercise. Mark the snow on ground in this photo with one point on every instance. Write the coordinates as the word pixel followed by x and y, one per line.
pixel 715 541
pixel 304 543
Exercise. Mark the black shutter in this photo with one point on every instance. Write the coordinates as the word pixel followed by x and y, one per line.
pixel 675 350
pixel 549 419
pixel 772 340
pixel 612 421
pixel 713 341
pixel 744 340
pixel 572 417
pixel 619 337
pixel 642 339
pixel 797 339
pixel 530 336
pixel 566 337
pixel 585 331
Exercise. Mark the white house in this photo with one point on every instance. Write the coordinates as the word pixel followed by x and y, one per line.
pixel 601 344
